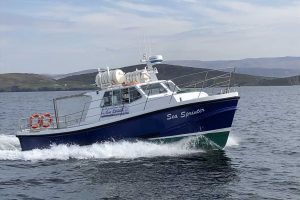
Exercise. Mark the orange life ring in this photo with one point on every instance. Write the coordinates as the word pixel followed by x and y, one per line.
pixel 49 120
pixel 36 125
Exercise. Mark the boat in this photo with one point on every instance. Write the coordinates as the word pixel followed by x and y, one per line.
pixel 138 106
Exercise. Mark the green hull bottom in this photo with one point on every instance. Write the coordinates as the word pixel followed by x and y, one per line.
pixel 207 141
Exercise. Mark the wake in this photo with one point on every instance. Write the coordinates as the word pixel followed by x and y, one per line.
pixel 10 150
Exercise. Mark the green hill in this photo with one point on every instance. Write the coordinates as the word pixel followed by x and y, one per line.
pixel 18 82
pixel 25 82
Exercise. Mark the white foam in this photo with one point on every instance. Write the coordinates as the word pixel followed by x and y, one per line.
pixel 232 141
pixel 10 150
pixel 9 142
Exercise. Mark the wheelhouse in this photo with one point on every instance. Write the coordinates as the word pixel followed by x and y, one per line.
pixel 127 95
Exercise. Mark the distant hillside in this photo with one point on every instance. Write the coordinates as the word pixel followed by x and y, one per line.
pixel 15 82
pixel 273 67
pixel 25 82
pixel 34 82
pixel 167 72
pixel 294 80
pixel 60 76
pixel 83 80
pixel 270 67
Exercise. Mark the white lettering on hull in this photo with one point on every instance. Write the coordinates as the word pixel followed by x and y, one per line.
pixel 185 114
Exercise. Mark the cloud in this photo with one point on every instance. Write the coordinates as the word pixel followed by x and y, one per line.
pixel 6 28
pixel 243 13
pixel 96 33
pixel 145 8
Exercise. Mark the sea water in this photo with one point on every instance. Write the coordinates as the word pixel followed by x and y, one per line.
pixel 261 159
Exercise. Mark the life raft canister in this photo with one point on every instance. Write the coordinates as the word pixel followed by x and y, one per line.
pixel 39 121
pixel 46 123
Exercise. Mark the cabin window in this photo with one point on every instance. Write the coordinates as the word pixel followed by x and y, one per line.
pixel 112 98
pixel 130 95
pixel 107 99
pixel 152 89
pixel 116 97
pixel 119 97
pixel 134 94
pixel 125 96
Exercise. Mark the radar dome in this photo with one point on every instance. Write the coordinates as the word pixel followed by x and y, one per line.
pixel 156 59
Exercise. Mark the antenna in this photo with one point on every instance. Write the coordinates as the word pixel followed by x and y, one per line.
pixel 140 46
pixel 144 58
pixel 150 49
pixel 145 45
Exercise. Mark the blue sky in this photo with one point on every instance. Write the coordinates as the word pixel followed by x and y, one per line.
pixel 54 36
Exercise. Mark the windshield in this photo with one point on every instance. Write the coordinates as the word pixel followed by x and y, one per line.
pixel 153 89
pixel 172 87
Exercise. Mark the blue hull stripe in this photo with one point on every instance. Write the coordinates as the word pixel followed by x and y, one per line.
pixel 183 119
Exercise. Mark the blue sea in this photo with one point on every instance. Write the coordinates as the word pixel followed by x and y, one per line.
pixel 261 159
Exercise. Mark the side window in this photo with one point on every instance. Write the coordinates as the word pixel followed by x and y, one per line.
pixel 134 94
pixel 107 99
pixel 172 86
pixel 153 89
pixel 116 97
pixel 125 96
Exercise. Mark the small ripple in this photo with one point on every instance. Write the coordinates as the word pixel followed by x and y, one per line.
pixel 27 197
pixel 56 181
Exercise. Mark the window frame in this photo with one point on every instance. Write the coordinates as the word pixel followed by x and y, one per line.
pixel 170 84
pixel 121 92
pixel 150 84
pixel 103 104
